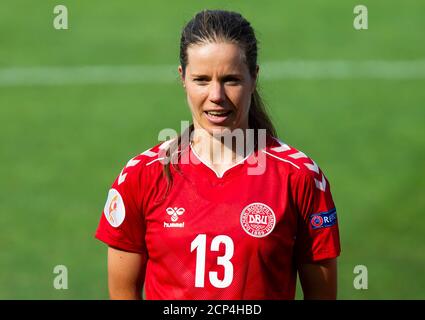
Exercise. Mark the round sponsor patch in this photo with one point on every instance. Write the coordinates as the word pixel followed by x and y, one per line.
pixel 258 219
pixel 114 208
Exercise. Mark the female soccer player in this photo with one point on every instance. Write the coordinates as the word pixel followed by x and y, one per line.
pixel 200 217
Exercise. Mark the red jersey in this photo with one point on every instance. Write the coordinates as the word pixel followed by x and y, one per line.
pixel 232 236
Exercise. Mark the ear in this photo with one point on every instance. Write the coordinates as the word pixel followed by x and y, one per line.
pixel 257 70
pixel 180 70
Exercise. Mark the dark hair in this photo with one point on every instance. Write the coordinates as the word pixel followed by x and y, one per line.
pixel 212 26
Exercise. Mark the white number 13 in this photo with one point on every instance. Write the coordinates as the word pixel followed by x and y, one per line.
pixel 199 244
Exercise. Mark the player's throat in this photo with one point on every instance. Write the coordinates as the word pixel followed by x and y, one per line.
pixel 221 153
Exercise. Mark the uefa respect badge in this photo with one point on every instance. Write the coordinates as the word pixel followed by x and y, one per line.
pixel 114 208
pixel 323 219
pixel 258 220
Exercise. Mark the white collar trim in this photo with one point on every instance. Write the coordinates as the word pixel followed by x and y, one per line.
pixel 212 169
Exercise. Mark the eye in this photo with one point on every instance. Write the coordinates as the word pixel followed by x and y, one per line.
pixel 200 80
pixel 231 80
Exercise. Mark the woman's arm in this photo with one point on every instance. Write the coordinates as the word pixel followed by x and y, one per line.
pixel 319 280
pixel 126 273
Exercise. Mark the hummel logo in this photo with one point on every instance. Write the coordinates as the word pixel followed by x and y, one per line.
pixel 174 213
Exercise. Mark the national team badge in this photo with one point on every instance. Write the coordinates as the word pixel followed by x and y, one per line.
pixel 114 208
pixel 258 220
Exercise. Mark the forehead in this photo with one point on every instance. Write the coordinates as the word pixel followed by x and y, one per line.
pixel 215 57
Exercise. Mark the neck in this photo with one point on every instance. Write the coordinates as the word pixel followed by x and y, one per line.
pixel 223 150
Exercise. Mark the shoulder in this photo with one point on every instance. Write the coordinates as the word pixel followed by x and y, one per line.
pixel 152 155
pixel 148 160
pixel 290 156
pixel 299 164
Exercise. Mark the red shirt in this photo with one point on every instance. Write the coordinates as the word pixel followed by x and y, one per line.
pixel 235 236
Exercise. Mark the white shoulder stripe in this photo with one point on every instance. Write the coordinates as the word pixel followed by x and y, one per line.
pixel 149 153
pixel 130 163
pixel 283 146
pixel 313 167
pixel 165 144
pixel 284 160
pixel 321 184
pixel 298 155
pixel 158 159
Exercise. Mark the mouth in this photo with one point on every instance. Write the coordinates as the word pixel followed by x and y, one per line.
pixel 217 117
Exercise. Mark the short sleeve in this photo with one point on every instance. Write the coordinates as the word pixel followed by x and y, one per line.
pixel 122 224
pixel 317 228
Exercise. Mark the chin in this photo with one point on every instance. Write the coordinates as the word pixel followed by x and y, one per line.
pixel 220 129
pixel 216 129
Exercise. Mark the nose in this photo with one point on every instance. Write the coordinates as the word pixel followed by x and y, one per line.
pixel 217 94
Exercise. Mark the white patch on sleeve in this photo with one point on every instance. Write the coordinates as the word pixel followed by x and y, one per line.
pixel 114 208
pixel 321 184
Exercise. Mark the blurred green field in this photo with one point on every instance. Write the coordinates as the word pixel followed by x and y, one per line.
pixel 62 145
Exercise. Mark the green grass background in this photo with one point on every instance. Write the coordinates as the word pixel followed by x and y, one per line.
pixel 62 146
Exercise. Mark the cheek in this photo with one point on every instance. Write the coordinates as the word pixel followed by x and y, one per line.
pixel 241 98
pixel 195 96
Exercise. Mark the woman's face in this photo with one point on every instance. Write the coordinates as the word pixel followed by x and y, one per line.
pixel 218 86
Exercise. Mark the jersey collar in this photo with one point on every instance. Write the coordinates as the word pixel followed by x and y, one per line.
pixel 211 169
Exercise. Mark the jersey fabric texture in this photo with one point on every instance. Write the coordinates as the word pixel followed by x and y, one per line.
pixel 235 236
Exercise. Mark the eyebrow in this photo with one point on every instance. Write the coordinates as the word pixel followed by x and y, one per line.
pixel 231 75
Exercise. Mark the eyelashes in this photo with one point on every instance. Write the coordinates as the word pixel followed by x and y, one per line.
pixel 226 80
